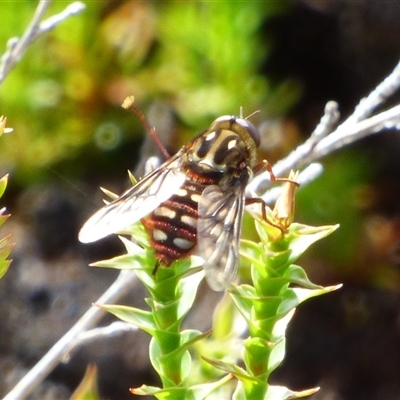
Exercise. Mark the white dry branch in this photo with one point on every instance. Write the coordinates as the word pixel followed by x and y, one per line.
pixel 125 281
pixel 326 138
pixel 85 338
pixel 17 46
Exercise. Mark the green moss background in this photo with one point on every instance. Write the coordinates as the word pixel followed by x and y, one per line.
pixel 203 59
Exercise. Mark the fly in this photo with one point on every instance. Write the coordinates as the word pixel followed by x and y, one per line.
pixel 193 202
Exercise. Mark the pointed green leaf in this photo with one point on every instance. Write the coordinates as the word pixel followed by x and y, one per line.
pixel 201 392
pixel 4 265
pixel 224 318
pixel 132 178
pixel 110 194
pixel 3 184
pixel 231 368
pixel 304 294
pixel 87 389
pixel 139 236
pixel 189 337
pixel 289 301
pixel 283 393
pixel 188 287
pixel 242 300
pixel 303 236
pixel 145 390
pixel 3 217
pixel 174 393
pixel 5 248
pixel 164 314
pixel 297 275
pixel 252 252
pixel 280 326
pixel 169 366
pixel 140 318
pixel 124 261
pixel 244 290
pixel 277 355
pixel 196 392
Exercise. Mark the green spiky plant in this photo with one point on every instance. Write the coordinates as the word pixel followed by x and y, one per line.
pixel 5 245
pixel 266 305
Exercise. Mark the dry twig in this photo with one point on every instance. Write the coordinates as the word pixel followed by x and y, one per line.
pixel 326 139
pixel 16 47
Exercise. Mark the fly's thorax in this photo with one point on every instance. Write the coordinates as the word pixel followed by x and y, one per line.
pixel 218 152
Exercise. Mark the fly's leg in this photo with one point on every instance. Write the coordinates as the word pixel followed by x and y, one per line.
pixel 283 212
pixel 264 164
pixel 258 200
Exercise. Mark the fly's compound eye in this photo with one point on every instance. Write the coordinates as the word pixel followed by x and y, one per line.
pixel 239 125
pixel 250 128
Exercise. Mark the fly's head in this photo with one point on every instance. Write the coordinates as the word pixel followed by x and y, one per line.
pixel 229 144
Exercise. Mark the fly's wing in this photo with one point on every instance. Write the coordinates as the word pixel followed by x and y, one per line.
pixel 218 229
pixel 136 202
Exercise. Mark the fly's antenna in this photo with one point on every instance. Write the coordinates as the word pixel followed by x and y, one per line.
pixel 251 115
pixel 129 104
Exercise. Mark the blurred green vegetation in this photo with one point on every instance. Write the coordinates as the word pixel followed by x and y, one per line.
pixel 5 245
pixel 335 198
pixel 203 59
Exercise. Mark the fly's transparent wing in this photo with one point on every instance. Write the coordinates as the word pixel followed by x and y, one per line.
pixel 136 202
pixel 218 229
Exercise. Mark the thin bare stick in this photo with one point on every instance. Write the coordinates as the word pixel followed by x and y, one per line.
pixel 125 281
pixel 376 98
pixel 16 47
pixel 325 139
pixel 103 332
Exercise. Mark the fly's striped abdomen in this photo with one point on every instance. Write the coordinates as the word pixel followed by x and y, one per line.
pixel 172 226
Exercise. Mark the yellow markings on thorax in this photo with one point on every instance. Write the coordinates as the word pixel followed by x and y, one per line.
pixel 210 136
pixel 232 144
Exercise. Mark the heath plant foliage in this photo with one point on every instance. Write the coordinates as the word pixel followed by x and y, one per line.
pixel 5 245
pixel 265 305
